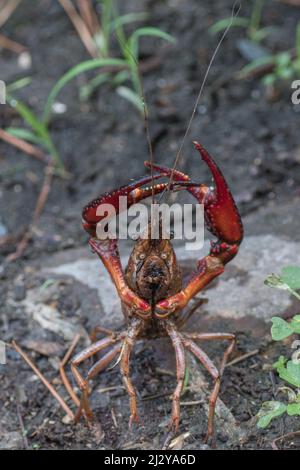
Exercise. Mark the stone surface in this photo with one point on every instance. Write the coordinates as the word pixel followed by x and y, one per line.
pixel 49 317
pixel 10 440
pixel 281 220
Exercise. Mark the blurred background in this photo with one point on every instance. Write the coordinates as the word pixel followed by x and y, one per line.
pixel 73 127
pixel 73 98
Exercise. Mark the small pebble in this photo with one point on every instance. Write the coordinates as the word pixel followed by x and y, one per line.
pixel 3 230
pixel 67 419
pixel 19 293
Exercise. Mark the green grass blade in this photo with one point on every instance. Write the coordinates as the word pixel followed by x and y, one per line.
pixel 267 60
pixel 131 96
pixel 24 134
pixel 29 117
pixel 221 25
pixel 120 77
pixel 127 19
pixel 73 73
pixel 147 31
pixel 18 84
pixel 39 129
pixel 87 90
pixel 298 41
pixel 256 15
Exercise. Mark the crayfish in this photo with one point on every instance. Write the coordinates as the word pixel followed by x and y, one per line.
pixel 151 290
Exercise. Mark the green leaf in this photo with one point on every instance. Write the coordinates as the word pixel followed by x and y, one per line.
pixel 29 117
pixel 290 373
pixel 120 77
pixel 275 281
pixel 296 66
pixel 186 379
pixel 298 41
pixel 87 90
pixel 147 31
pixel 221 25
pixel 18 84
pixel 281 282
pixel 283 59
pixel 40 129
pixel 74 72
pixel 262 33
pixel 291 276
pixel 127 19
pixel 256 64
pixel 24 134
pixel 269 411
pixel 131 96
pixel 255 18
pixel 280 329
pixel 269 79
pixel 285 72
pixel 280 363
pixel 295 324
pixel 293 409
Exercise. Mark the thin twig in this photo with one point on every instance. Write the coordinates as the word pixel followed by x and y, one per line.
pixel 191 403
pixel 110 389
pixel 43 196
pixel 23 145
pixel 285 436
pixel 51 389
pixel 41 201
pixel 23 430
pixel 153 397
pixel 80 27
pixel 7 10
pixel 242 358
pixel 160 371
pixel 11 45
pixel 167 440
pixel 114 418
pixel 89 16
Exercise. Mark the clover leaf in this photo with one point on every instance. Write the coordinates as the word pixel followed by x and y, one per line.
pixel 269 411
pixel 280 329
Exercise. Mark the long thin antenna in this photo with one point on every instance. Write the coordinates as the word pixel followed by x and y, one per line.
pixel 145 111
pixel 235 11
pixel 147 131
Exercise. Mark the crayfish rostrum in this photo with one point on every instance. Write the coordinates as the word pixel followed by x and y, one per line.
pixel 151 290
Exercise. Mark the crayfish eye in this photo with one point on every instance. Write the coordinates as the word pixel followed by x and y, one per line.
pixel 142 256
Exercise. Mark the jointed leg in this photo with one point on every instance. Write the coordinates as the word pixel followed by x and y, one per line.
pixel 208 364
pixel 100 329
pixel 104 361
pixel 128 344
pixel 216 336
pixel 180 373
pixel 63 375
pixel 213 371
pixel 83 383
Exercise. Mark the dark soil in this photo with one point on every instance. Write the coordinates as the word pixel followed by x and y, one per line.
pixel 256 142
